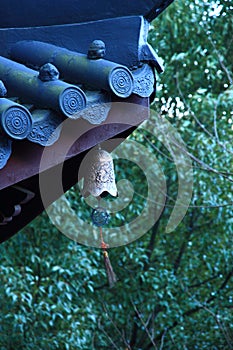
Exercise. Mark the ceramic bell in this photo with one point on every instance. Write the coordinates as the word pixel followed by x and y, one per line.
pixel 98 173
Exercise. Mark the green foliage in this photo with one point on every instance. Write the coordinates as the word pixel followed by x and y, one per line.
pixel 174 290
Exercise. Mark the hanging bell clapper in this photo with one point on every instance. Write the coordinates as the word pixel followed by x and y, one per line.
pixel 100 217
pixel 112 279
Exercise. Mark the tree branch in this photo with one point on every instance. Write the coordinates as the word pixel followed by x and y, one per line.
pixel 144 325
pixel 199 284
pixel 194 310
pixel 228 73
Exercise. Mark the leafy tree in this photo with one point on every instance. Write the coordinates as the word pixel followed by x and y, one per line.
pixel 174 289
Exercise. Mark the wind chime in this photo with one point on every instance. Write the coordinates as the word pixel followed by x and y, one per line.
pixel 99 180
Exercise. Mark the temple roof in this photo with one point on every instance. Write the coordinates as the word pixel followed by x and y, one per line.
pixel 71 76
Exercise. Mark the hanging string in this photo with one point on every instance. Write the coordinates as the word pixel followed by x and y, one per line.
pixel 112 279
pixel 100 217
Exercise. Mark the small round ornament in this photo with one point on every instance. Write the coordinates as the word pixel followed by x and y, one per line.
pixel 100 217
